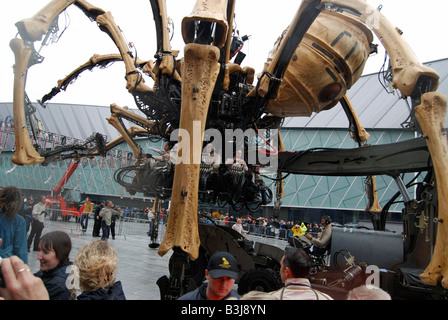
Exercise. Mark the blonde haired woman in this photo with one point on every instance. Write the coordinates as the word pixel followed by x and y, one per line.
pixel 96 264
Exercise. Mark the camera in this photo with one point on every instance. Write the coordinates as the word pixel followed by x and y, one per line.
pixel 2 281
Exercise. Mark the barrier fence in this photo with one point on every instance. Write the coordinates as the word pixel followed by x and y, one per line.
pixel 138 227
pixel 124 227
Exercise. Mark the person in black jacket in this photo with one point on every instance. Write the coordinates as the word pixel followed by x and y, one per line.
pixel 97 220
pixel 96 264
pixel 53 255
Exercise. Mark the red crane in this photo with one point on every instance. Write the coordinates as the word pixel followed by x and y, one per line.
pixel 67 202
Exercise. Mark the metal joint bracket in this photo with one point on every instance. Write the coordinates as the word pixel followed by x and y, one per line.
pixel 184 193
pixel 338 8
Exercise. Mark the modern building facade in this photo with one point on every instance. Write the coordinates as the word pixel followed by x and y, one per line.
pixel 384 115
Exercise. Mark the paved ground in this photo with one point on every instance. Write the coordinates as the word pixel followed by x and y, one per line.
pixel 139 267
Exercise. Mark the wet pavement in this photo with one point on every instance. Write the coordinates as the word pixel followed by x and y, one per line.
pixel 139 266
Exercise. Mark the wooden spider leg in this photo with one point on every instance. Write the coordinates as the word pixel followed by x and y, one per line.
pixel 127 135
pixel 95 61
pixel 132 132
pixel 431 117
pixel 200 72
pixel 199 75
pixel 34 28
pixel 30 30
pixel 360 135
pixel 24 154
pixel 406 67
pixel 133 78
pixel 408 75
pixel 106 23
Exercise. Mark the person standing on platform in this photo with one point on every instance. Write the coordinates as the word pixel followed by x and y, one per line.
pixel 323 242
pixel 238 227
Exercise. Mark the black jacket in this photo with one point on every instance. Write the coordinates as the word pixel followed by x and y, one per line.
pixel 55 282
pixel 114 292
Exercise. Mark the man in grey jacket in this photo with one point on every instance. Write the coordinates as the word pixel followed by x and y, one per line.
pixel 106 214
pixel 323 241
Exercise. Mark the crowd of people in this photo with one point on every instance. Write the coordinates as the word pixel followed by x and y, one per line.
pixel 264 226
pixel 96 263
pixel 35 210
pixel 92 274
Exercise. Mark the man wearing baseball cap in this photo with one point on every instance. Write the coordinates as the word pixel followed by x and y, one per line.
pixel 221 273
